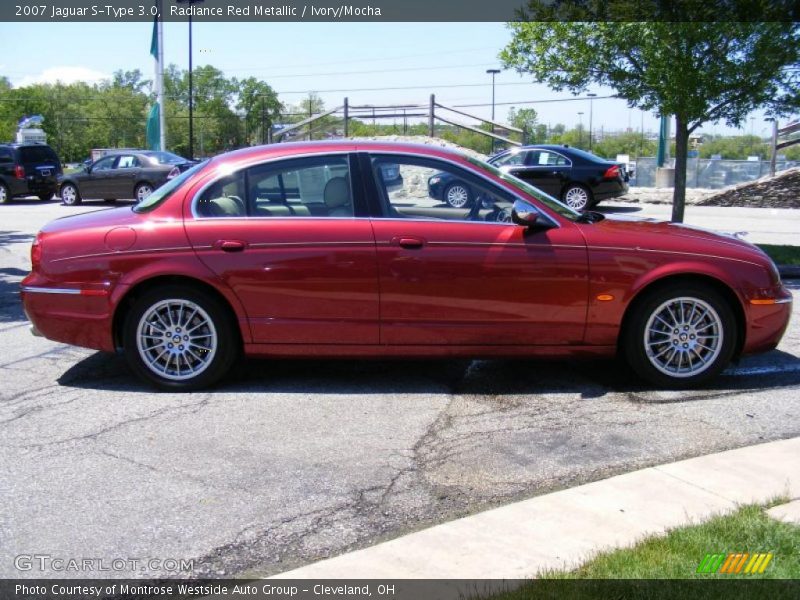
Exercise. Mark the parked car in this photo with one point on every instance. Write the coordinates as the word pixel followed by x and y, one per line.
pixel 299 250
pixel 120 176
pixel 577 178
pixel 28 169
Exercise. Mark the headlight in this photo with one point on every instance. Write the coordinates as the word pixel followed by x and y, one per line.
pixel 434 180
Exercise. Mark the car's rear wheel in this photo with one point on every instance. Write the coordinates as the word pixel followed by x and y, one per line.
pixel 5 195
pixel 180 339
pixel 142 191
pixel 70 194
pixel 457 195
pixel 577 197
pixel 680 336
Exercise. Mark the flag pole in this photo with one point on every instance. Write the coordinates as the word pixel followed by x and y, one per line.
pixel 160 81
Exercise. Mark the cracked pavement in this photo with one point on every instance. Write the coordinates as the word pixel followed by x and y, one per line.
pixel 294 461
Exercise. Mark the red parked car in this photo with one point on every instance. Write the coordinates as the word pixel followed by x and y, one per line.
pixel 301 250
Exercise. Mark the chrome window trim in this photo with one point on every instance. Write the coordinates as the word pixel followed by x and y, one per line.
pixel 543 211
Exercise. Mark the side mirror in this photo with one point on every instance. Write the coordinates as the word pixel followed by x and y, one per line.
pixel 524 214
pixel 87 168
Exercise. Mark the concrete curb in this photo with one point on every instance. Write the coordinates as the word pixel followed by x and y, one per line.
pixel 564 529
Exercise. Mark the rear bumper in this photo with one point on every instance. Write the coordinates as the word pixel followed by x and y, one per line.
pixel 81 317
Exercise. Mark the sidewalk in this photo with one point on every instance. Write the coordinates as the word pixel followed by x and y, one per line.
pixel 563 529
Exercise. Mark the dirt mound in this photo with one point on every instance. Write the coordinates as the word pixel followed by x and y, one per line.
pixel 781 191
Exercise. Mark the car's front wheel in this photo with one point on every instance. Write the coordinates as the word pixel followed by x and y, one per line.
pixel 70 194
pixel 180 339
pixel 5 195
pixel 142 191
pixel 680 336
pixel 577 197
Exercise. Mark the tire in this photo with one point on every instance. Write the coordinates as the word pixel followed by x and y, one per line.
pixel 47 196
pixel 142 191
pixel 457 195
pixel 659 355
pixel 577 197
pixel 70 195
pixel 183 313
pixel 5 194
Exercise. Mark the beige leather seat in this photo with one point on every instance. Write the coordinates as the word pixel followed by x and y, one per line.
pixel 337 197
pixel 225 206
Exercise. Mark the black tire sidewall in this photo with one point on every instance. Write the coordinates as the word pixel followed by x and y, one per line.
pixel 228 341
pixel 633 346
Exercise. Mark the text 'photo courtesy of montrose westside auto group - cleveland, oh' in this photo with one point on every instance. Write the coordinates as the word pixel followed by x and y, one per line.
pixel 408 300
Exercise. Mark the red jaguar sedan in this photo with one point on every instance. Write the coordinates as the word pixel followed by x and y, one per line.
pixel 302 250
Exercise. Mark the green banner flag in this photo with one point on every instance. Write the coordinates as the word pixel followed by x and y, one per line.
pixel 153 129
pixel 154 40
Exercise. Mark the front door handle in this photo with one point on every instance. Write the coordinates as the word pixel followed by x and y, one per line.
pixel 408 242
pixel 231 245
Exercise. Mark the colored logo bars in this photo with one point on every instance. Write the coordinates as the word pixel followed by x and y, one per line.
pixel 735 562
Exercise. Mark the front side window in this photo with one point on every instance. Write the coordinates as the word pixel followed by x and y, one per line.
pixel 432 189
pixel 104 164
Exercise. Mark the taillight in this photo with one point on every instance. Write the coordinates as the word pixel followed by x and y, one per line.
pixel 173 173
pixel 612 172
pixel 19 172
pixel 36 254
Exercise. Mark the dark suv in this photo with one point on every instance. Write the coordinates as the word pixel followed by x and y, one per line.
pixel 30 169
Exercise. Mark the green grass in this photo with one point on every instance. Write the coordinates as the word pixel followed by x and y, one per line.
pixel 638 572
pixel 782 255
pixel 677 555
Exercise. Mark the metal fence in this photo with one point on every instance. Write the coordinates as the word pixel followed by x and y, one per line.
pixel 711 173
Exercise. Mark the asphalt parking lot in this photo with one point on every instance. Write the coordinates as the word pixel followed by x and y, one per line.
pixel 298 460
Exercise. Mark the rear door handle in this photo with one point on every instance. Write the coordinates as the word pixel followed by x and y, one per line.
pixel 408 242
pixel 231 245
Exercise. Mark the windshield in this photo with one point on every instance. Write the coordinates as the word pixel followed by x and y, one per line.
pixel 550 202
pixel 162 193
pixel 167 158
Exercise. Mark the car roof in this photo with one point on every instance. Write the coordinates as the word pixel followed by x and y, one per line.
pixel 25 144
pixel 318 147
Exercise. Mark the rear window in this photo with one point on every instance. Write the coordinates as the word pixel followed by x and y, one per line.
pixel 31 154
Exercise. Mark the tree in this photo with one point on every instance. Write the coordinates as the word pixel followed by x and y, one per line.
pixel 525 119
pixel 697 71
pixel 260 105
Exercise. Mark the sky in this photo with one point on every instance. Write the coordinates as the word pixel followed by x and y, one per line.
pixel 333 59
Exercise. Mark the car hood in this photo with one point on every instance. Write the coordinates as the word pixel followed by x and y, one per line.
pixel 656 234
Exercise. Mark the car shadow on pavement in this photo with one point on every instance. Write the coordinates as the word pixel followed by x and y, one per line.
pixel 591 379
pixel 10 305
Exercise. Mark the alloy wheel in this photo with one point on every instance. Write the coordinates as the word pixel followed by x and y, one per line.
pixel 683 337
pixel 176 339
pixel 577 198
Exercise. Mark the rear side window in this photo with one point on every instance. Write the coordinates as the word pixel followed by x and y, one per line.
pixel 6 155
pixel 32 154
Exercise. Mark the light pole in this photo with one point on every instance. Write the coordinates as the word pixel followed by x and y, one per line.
pixel 191 87
pixel 493 72
pixel 580 128
pixel 591 102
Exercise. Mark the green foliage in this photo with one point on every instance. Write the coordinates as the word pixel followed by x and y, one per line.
pixel 113 113
pixel 631 143
pixel 697 71
pixel 734 148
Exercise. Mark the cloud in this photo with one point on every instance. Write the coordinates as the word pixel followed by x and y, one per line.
pixel 64 75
